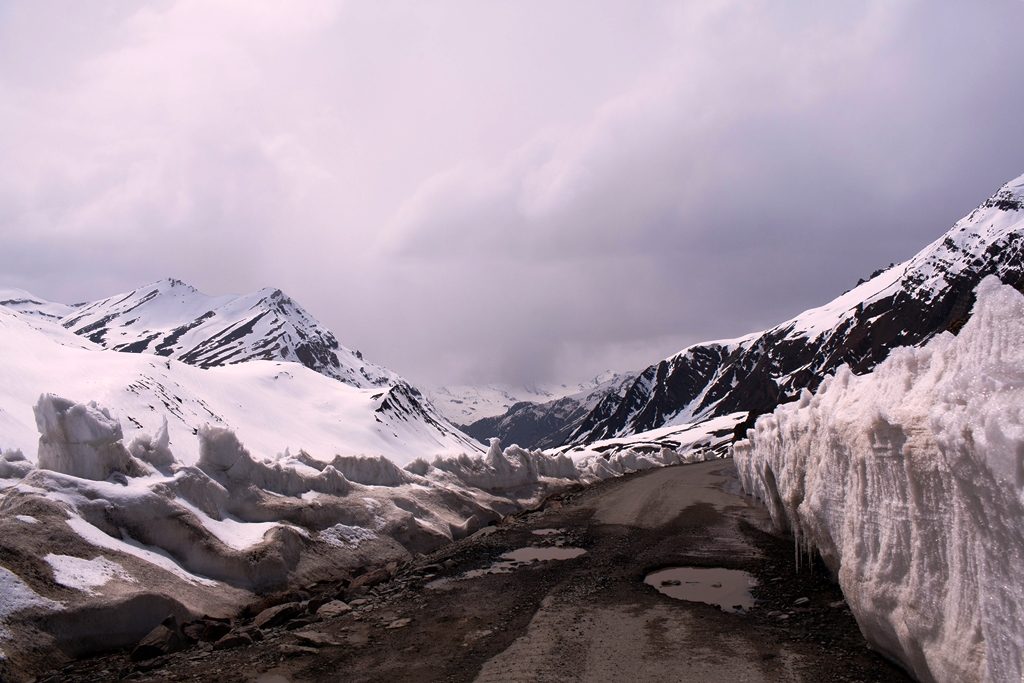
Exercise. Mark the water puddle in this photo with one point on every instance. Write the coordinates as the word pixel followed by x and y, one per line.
pixel 547 532
pixel 511 561
pixel 535 554
pixel 728 589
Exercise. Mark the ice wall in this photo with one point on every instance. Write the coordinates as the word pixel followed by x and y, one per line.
pixel 910 483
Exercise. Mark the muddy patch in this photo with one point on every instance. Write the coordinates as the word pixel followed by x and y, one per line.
pixel 511 561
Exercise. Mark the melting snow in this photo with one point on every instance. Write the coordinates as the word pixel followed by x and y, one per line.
pixel 17 596
pixel 130 546
pixel 230 531
pixel 85 575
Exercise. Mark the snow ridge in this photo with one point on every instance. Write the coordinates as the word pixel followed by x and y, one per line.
pixel 170 318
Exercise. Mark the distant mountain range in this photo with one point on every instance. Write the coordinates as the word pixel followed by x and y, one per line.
pixel 548 424
pixel 465 404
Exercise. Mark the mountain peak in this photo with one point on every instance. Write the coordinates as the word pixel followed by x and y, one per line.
pixel 171 318
pixel 1010 197
pixel 167 284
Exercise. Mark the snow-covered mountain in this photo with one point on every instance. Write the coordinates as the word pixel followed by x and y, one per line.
pixel 533 424
pixel 904 305
pixel 271 405
pixel 465 404
pixel 263 366
pixel 171 318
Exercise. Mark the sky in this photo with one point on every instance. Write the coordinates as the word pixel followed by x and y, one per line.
pixel 500 191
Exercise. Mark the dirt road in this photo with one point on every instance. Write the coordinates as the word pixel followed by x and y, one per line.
pixel 455 616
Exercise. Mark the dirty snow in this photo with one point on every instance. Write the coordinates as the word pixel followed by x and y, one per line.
pixel 130 546
pixel 341 535
pixel 17 596
pixel 85 575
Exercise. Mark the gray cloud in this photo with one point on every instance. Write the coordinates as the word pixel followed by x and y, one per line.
pixel 500 191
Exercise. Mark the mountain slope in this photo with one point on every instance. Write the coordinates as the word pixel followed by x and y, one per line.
pixel 906 304
pixel 171 319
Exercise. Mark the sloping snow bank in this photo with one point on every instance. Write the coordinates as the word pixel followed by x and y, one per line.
pixel 910 483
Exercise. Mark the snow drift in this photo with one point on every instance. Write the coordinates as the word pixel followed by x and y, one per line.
pixel 909 481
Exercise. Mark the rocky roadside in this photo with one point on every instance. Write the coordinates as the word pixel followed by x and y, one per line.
pixel 462 613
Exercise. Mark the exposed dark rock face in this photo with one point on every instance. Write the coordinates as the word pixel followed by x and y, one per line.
pixel 904 305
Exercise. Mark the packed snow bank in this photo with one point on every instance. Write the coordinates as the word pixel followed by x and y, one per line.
pixel 81 439
pixel 910 483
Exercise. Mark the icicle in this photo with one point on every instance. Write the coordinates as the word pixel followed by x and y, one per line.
pixel 796 547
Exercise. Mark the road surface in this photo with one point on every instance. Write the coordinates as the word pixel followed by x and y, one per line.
pixel 589 618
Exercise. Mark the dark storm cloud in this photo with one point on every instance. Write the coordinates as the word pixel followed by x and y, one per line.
pixel 502 191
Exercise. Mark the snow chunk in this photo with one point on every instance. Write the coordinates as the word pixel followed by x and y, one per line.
pixel 85 575
pixel 370 470
pixel 154 449
pixel 342 536
pixel 130 546
pixel 14 465
pixel 910 483
pixel 232 532
pixel 80 439
pixel 28 519
pixel 506 469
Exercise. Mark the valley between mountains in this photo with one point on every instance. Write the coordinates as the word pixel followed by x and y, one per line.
pixel 197 486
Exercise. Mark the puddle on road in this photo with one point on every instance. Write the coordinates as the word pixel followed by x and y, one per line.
pixel 547 532
pixel 728 589
pixel 511 561
pixel 535 554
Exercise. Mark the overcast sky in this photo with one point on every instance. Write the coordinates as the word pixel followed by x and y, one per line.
pixel 515 191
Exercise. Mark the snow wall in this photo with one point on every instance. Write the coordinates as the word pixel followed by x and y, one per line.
pixel 909 481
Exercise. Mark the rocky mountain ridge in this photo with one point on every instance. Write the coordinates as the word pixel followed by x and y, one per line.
pixel 904 305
